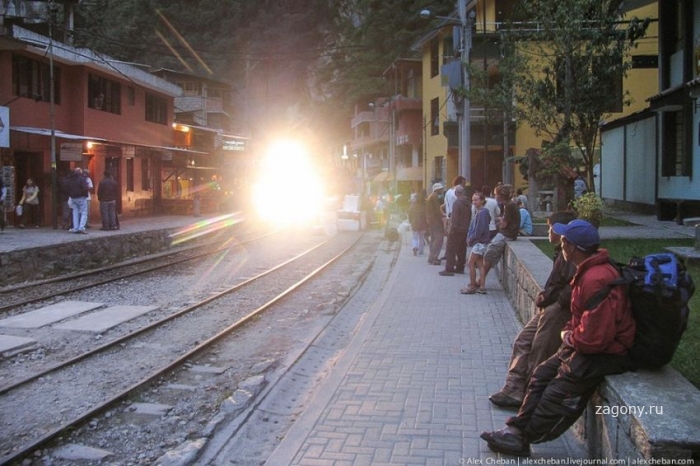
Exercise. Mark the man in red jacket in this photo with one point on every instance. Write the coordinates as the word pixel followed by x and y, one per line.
pixel 594 344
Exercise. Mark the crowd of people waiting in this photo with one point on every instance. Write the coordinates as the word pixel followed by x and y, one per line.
pixel 483 225
pixel 568 346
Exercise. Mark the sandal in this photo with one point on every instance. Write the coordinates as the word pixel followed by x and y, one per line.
pixel 481 291
pixel 468 290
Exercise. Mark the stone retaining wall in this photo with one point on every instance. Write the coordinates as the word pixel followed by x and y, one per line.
pixel 614 425
pixel 75 256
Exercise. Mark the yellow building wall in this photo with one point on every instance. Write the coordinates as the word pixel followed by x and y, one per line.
pixel 435 145
pixel 640 83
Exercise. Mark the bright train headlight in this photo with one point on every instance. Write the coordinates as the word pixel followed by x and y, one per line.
pixel 289 189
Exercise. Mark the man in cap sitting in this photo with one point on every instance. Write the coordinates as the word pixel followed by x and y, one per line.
pixel 595 343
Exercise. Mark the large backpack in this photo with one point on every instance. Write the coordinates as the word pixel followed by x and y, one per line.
pixel 659 289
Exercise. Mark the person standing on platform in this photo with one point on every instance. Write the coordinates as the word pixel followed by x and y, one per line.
pixel 580 186
pixel 478 237
pixel 30 204
pixel 419 224
pixel 436 224
pixel 91 189
pixel 456 248
pixel 450 198
pixel 3 196
pixel 78 192
pixel 107 194
pixel 491 204
pixel 63 197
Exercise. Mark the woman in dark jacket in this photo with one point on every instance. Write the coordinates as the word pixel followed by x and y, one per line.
pixel 419 225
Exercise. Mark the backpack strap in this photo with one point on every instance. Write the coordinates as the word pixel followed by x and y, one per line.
pixel 623 279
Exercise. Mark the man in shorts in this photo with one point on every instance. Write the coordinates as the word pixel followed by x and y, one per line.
pixel 508 228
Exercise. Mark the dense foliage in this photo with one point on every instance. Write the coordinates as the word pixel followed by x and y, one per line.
pixel 568 59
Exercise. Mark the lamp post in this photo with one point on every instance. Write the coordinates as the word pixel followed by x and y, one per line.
pixel 465 22
pixel 52 117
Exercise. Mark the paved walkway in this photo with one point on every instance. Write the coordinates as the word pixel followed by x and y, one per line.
pixel 413 386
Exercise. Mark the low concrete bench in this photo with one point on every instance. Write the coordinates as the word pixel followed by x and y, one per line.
pixel 613 425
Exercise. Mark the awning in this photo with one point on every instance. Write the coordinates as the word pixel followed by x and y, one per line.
pixel 58 134
pixel 669 100
pixel 410 174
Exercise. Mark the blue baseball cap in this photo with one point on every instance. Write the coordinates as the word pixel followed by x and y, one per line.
pixel 580 233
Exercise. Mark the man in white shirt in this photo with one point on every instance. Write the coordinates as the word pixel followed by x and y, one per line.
pixel 492 206
pixel 451 197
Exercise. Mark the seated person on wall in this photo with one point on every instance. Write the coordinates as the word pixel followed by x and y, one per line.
pixel 595 343
pixel 525 219
pixel 540 337
pixel 508 227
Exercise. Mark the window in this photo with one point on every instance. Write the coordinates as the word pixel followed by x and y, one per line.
pixel 435 116
pixel 130 96
pixel 645 61
pixel 156 109
pixel 130 175
pixel 190 87
pixel 448 50
pixel 215 93
pixel 32 79
pixel 104 94
pixel 676 153
pixel 145 174
pixel 434 58
pixel 439 168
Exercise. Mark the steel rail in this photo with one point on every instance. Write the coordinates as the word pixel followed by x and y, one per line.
pixel 8 307
pixel 27 449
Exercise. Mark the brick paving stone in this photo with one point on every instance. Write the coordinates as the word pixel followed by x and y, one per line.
pixel 416 387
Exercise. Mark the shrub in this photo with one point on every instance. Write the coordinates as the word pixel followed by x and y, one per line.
pixel 589 207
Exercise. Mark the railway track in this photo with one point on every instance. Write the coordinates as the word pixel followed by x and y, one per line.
pixel 38 407
pixel 15 297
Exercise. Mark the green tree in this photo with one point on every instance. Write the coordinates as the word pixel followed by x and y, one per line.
pixel 569 60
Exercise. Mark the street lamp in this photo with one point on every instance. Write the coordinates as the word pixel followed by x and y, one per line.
pixel 465 22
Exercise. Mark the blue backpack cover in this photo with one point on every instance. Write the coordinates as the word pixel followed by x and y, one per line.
pixel 659 290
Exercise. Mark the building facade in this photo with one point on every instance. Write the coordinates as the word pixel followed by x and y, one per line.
pixel 649 158
pixel 66 107
pixel 494 143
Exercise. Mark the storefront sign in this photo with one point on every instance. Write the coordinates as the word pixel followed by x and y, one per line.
pixel 233 144
pixel 71 151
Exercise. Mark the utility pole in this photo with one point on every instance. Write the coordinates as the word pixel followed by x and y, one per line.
pixel 465 143
pixel 52 118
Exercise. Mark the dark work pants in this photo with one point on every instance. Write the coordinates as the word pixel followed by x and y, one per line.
pixel 456 251
pixel 437 236
pixel 536 342
pixel 559 391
